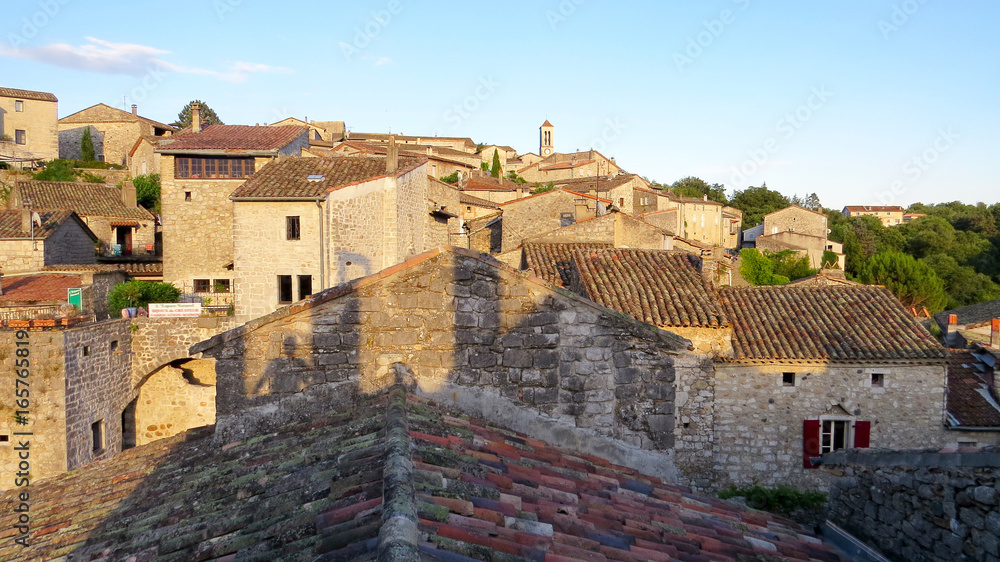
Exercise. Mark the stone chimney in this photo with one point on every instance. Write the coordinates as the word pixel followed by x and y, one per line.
pixel 995 333
pixel 952 323
pixel 135 109
pixel 392 157
pixel 128 194
pixel 196 117
pixel 582 211
pixel 25 220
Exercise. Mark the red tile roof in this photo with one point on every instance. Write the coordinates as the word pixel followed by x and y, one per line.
pixel 10 224
pixel 87 199
pixel 874 209
pixel 290 177
pixel 26 94
pixel 658 287
pixel 327 488
pixel 232 137
pixel 554 262
pixel 37 288
pixel 971 401
pixel 833 324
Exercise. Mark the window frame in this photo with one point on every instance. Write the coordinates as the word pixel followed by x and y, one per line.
pixel 221 168
pixel 18 106
pixel 20 137
pixel 300 282
pixel 205 285
pixel 227 283
pixel 293 227
pixel 282 291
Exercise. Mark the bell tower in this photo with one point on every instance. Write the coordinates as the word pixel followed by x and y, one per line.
pixel 545 146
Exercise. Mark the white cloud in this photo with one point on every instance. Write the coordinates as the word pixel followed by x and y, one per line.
pixel 383 60
pixel 106 57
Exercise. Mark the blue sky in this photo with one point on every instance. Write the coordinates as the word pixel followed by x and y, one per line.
pixel 860 101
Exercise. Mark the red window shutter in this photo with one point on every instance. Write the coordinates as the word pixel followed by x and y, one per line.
pixel 810 441
pixel 862 434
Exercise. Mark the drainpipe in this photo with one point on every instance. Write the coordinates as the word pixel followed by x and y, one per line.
pixel 322 248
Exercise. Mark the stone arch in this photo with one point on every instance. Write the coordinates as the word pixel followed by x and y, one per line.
pixel 174 397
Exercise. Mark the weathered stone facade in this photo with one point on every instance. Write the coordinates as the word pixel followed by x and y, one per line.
pixel 70 243
pixel 472 332
pixel 916 506
pixel 175 399
pixel 113 131
pixel 796 219
pixel 530 217
pixel 37 120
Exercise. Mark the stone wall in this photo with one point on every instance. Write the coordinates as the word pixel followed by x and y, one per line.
pixel 589 229
pixel 159 341
pixel 18 256
pixel 69 244
pixel 533 216
pixel 473 333
pixel 796 219
pixel 174 399
pixel 97 285
pixel 40 122
pixel 759 420
pixel 144 160
pixel 71 137
pixel 918 505
pixel 354 226
pixel 633 233
pixel 667 220
pixel 101 227
pixel 810 246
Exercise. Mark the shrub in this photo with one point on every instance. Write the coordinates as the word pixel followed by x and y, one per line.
pixel 139 293
pixel 147 191
pixel 451 178
pixel 783 499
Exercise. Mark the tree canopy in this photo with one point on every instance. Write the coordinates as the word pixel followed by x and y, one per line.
pixel 495 168
pixel 139 293
pixel 208 116
pixel 912 281
pixel 755 202
pixel 147 191
pixel 691 186
pixel 87 152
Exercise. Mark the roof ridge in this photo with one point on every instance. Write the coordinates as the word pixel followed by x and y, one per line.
pixel 397 538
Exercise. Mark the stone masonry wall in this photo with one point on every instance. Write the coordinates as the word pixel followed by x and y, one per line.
pixel 175 399
pixel 589 229
pixel 101 227
pixel 918 506
pixel 20 255
pixel 46 406
pixel 796 219
pixel 759 421
pixel 69 244
pixel 473 333
pixel 531 217
pixel 159 341
pixel 40 122
pixel 98 387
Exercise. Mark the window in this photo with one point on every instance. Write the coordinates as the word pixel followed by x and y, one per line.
pixel 202 285
pixel 20 137
pixel 878 380
pixel 292 228
pixel 187 195
pixel 222 285
pixel 788 379
pixel 18 106
pixel 284 289
pixel 86 351
pixel 97 435
pixel 305 286
pixel 217 168
pixel 114 345
pixel 830 433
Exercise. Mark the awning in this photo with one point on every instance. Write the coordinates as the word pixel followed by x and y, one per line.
pixel 133 224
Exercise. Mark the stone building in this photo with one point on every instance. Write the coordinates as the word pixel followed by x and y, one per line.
pixel 111 213
pixel 890 215
pixel 532 216
pixel 461 144
pixel 28 127
pixel 560 166
pixel 798 229
pixel 617 229
pixel 115 133
pixel 441 161
pixel 31 240
pixel 200 169
pixel 320 132
pixel 303 225
pixel 629 193
pixel 697 219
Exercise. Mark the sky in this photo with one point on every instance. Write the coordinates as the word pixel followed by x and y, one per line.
pixel 863 102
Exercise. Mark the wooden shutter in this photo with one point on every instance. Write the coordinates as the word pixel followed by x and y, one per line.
pixel 862 434
pixel 810 441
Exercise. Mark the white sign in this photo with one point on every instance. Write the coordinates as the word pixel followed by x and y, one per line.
pixel 174 309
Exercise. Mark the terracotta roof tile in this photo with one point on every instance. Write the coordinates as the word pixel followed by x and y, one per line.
pixel 554 262
pixel 232 137
pixel 466 199
pixel 658 287
pixel 38 288
pixel 87 199
pixel 970 400
pixel 26 94
pixel 10 223
pixel 291 177
pixel 596 183
pixel 825 324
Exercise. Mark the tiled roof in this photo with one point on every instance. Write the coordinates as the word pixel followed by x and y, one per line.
pixel 138 268
pixel 37 288
pixel 658 287
pixel 837 324
pixel 972 316
pixel 554 262
pixel 823 278
pixel 10 223
pixel 108 114
pixel 336 487
pixel 26 94
pixel 467 199
pixel 385 137
pixel 555 191
pixel 592 183
pixel 970 402
pixel 87 199
pixel 874 209
pixel 290 177
pixel 232 137
pixel 793 207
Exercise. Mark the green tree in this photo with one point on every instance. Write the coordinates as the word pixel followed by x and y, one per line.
pixel 962 283
pixel 147 191
pixel 514 177
pixel 757 269
pixel 913 282
pixel 139 293
pixel 451 178
pixel 57 170
pixel 87 153
pixel 543 188
pixel 691 186
pixel 495 168
pixel 755 202
pixel 208 116
pixel 788 264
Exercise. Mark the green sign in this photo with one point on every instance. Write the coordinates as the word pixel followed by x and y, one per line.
pixel 75 298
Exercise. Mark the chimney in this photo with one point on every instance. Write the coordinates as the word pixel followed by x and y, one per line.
pixel 952 323
pixel 582 211
pixel 25 220
pixel 135 109
pixel 392 157
pixel 520 192
pixel 704 197
pixel 995 333
pixel 128 194
pixel 196 117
